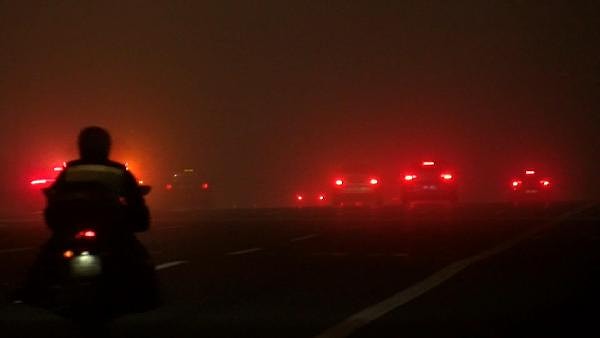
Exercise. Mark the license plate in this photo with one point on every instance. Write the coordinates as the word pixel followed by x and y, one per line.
pixel 357 189
pixel 86 265
pixel 531 191
pixel 430 187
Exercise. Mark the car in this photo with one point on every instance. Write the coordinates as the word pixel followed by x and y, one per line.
pixel 48 178
pixel 30 196
pixel 429 182
pixel 188 189
pixel 530 187
pixel 356 188
pixel 310 199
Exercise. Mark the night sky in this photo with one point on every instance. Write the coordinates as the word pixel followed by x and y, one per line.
pixel 270 97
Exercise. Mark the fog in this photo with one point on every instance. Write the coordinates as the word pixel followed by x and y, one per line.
pixel 269 98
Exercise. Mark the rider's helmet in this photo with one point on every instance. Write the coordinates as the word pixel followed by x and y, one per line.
pixel 94 144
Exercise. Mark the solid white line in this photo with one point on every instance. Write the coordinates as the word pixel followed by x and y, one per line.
pixel 297 239
pixel 26 248
pixel 169 265
pixel 366 316
pixel 242 252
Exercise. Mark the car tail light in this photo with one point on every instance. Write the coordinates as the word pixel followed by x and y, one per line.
pixel 339 182
pixel 68 254
pixel 86 234
pixel 374 181
pixel 41 181
pixel 321 197
pixel 299 197
pixel 446 177
pixel 409 177
pixel 545 183
pixel 516 183
pixel 529 172
pixel 58 169
pixel 204 186
pixel 168 186
pixel 428 163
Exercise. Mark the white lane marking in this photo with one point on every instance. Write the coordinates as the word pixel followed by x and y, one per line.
pixel 333 254
pixel 588 219
pixel 171 227
pixel 400 254
pixel 20 220
pixel 303 238
pixel 242 252
pixel 169 265
pixel 26 248
pixel 375 255
pixel 368 315
pixel 339 254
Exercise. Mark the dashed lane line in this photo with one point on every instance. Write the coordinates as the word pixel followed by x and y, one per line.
pixel 303 238
pixel 243 252
pixel 171 227
pixel 167 265
pixel 376 311
pixel 345 254
pixel 332 254
pixel 12 250
pixel 400 254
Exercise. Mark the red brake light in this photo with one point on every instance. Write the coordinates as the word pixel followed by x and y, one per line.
pixel 428 163
pixel 204 186
pixel 374 181
pixel 321 197
pixel 516 183
pixel 545 183
pixel 169 186
pixel 86 234
pixel 58 169
pixel 410 177
pixel 339 182
pixel 299 197
pixel 446 177
pixel 68 254
pixel 529 172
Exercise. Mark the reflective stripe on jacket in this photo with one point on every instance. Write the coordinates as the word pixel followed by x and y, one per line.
pixel 111 177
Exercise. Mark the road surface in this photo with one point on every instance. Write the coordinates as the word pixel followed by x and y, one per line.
pixel 486 270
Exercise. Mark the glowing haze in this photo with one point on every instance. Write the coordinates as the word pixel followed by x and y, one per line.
pixel 271 98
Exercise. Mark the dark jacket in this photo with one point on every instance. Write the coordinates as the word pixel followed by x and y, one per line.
pixel 112 176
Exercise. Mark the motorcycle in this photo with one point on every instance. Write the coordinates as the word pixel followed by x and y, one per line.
pixel 91 272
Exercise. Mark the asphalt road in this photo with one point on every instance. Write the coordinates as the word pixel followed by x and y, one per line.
pixel 480 271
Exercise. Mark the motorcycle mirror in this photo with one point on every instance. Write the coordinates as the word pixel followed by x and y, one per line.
pixel 145 189
pixel 46 192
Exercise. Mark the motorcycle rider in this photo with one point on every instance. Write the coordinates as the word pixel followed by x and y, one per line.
pixel 94 166
pixel 124 213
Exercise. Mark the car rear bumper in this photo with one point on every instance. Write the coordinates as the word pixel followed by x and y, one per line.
pixel 422 195
pixel 531 196
pixel 357 197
